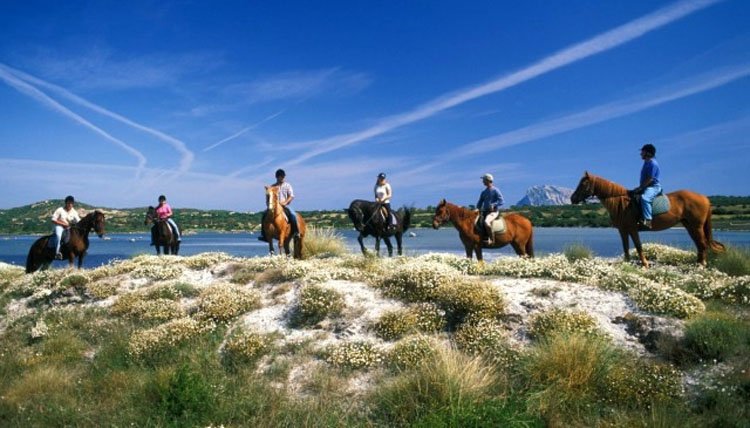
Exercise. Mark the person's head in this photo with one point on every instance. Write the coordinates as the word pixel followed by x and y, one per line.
pixel 487 179
pixel 648 151
pixel 280 175
pixel 69 201
pixel 381 177
pixel 162 199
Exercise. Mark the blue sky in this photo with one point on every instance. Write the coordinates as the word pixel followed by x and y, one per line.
pixel 118 102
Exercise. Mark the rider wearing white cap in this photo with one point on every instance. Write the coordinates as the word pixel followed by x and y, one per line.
pixel 489 201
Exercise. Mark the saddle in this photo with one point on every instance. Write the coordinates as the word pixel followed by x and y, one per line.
pixel 64 240
pixel 498 224
pixel 383 212
pixel 660 204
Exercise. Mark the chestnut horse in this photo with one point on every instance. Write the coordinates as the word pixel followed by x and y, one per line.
pixel 276 226
pixel 163 236
pixel 518 233
pixel 691 209
pixel 41 254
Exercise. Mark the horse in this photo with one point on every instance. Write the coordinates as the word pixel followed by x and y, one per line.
pixel 691 209
pixel 519 232
pixel 41 254
pixel 276 226
pixel 368 221
pixel 163 236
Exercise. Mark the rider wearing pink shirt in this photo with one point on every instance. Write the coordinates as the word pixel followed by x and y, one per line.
pixel 164 212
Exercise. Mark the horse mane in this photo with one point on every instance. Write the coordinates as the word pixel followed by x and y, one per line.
pixel 613 196
pixel 461 211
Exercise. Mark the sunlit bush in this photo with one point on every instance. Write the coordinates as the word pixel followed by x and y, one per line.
pixel 488 339
pixel 316 302
pixel 246 347
pixel 166 336
pixel 354 355
pixel 557 321
pixel 411 351
pixel 222 302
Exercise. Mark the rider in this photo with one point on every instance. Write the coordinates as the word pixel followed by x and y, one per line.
pixel 63 218
pixel 286 196
pixel 489 201
pixel 164 213
pixel 383 194
pixel 650 185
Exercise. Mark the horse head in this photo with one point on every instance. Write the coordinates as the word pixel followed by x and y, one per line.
pixel 99 223
pixel 150 216
pixel 441 214
pixel 272 198
pixel 584 190
pixel 357 216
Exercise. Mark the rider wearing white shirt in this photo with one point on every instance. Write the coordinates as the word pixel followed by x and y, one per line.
pixel 63 218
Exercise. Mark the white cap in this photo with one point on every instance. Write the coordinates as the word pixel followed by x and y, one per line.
pixel 487 177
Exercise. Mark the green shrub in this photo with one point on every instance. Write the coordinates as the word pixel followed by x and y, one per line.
pixel 733 262
pixel 102 289
pixel 186 397
pixel 557 321
pixel 315 303
pixel 73 280
pixel 421 317
pixel 577 251
pixel 735 290
pixel 488 339
pixel 155 340
pixel 640 384
pixel 410 352
pixel 715 335
pixel 470 298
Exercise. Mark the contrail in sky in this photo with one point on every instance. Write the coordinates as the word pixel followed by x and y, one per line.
pixel 186 155
pixel 40 96
pixel 242 131
pixel 598 44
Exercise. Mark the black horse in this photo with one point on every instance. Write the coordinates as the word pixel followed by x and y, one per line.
pixel 162 234
pixel 41 254
pixel 368 220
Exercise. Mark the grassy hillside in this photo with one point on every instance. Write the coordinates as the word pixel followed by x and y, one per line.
pixel 730 213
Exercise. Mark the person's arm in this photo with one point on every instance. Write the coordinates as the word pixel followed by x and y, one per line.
pixel 290 198
pixel 500 199
pixel 57 219
pixel 479 202
pixel 167 211
pixel 388 192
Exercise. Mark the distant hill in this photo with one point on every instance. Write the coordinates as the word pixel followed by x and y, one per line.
pixel 546 194
pixel 730 213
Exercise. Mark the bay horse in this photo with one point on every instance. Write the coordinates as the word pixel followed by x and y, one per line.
pixel 691 209
pixel 519 232
pixel 276 226
pixel 368 221
pixel 41 254
pixel 164 237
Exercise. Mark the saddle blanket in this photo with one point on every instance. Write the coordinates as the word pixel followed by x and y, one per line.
pixel 660 205
pixel 52 241
pixel 383 212
pixel 498 224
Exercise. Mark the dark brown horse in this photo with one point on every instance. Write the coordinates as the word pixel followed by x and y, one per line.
pixel 276 226
pixel 691 209
pixel 41 254
pixel 162 235
pixel 367 219
pixel 518 233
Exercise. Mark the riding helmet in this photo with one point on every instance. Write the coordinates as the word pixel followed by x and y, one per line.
pixel 70 199
pixel 488 177
pixel 381 175
pixel 280 173
pixel 162 198
pixel 649 148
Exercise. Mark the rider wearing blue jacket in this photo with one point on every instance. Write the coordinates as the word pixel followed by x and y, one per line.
pixel 489 201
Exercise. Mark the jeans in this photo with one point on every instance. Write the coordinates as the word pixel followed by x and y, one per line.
pixel 293 219
pixel 647 197
pixel 174 228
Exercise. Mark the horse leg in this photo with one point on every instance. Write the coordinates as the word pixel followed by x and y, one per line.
pixel 699 238
pixel 360 239
pixel 399 241
pixel 478 250
pixel 520 251
pixel 389 245
pixel 80 259
pixel 625 243
pixel 377 245
pixel 637 242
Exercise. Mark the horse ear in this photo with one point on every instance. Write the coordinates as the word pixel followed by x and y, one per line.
pixel 586 174
pixel 442 202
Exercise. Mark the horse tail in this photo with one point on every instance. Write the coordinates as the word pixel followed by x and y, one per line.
pixel 407 218
pixel 716 246
pixel 32 264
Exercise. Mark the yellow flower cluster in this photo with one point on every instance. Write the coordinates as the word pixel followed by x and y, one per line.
pixel 206 260
pixel 315 303
pixel 354 355
pixel 166 336
pixel 222 302
pixel 102 289
pixel 247 347
pixel 418 281
pixel 556 321
pixel 642 383
pixel 465 297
